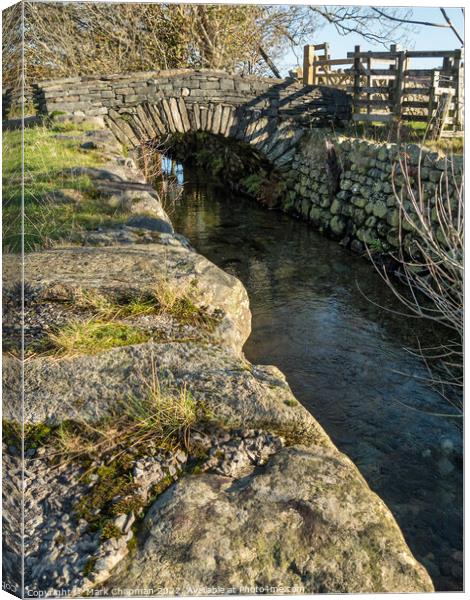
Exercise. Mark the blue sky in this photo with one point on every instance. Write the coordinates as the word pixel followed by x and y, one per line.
pixel 424 38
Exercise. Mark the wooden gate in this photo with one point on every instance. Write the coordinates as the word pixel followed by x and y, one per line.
pixel 385 88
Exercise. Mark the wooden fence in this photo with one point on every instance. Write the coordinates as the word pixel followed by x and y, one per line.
pixel 385 87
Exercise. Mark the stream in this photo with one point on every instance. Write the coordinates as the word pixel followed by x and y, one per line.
pixel 319 314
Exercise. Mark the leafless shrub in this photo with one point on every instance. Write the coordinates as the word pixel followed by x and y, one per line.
pixel 430 259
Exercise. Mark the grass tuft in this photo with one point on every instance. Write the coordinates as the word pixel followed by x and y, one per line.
pixel 175 300
pixel 110 531
pixel 179 301
pixel 167 415
pixel 164 416
pixel 91 337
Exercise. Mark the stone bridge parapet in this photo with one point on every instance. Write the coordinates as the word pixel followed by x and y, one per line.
pixel 283 97
pixel 142 106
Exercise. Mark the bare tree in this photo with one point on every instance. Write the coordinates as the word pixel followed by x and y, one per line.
pixel 451 25
pixel 378 25
pixel 73 38
pixel 12 40
pixel 79 38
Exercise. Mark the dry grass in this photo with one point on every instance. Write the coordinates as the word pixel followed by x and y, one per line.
pixel 179 301
pixel 175 299
pixel 107 328
pixel 164 415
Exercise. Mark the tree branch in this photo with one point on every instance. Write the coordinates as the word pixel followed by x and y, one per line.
pixel 270 63
pixel 409 21
pixel 446 17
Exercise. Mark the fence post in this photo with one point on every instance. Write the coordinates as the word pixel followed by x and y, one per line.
pixel 458 82
pixel 432 101
pixel 357 80
pixel 326 68
pixel 399 81
pixel 442 110
pixel 309 59
pixel 391 82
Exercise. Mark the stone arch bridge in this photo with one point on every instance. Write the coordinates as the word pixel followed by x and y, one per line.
pixel 270 114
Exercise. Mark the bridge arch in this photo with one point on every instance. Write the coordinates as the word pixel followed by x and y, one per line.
pixel 269 114
pixel 149 122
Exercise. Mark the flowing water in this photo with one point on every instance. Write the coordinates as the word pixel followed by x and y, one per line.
pixel 318 315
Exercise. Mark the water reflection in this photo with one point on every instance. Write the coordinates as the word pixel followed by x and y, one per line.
pixel 344 358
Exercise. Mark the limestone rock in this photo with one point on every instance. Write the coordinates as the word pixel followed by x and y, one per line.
pixel 124 234
pixel 64 196
pixel 92 386
pixel 101 139
pixel 140 269
pixel 307 520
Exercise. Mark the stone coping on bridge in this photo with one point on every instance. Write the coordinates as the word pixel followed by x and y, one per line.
pixel 275 98
pixel 133 75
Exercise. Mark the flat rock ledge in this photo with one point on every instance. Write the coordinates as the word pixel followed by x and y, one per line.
pixel 92 387
pixel 273 508
pixel 139 268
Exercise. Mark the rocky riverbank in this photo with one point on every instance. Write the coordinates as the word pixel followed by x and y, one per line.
pixel 157 456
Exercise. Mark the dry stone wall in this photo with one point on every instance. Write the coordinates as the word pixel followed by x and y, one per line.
pixel 14 99
pixel 345 187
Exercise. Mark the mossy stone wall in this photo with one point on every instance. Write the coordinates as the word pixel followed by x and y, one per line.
pixel 347 187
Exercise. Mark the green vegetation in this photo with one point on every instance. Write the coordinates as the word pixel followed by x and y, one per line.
pixel 162 485
pixel 89 566
pixel 48 161
pixel 108 450
pixel 110 531
pixel 106 329
pixel 179 303
pixel 217 155
pixel 295 433
pixel 164 417
pixel 132 544
pixel 91 337
pixel 415 132
pixel 98 323
pixel 175 300
pixel 11 433
pixel 97 507
pixel 291 402
pixel 35 435
pixel 107 307
pixel 376 246
pixel 237 164
pixel 254 183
